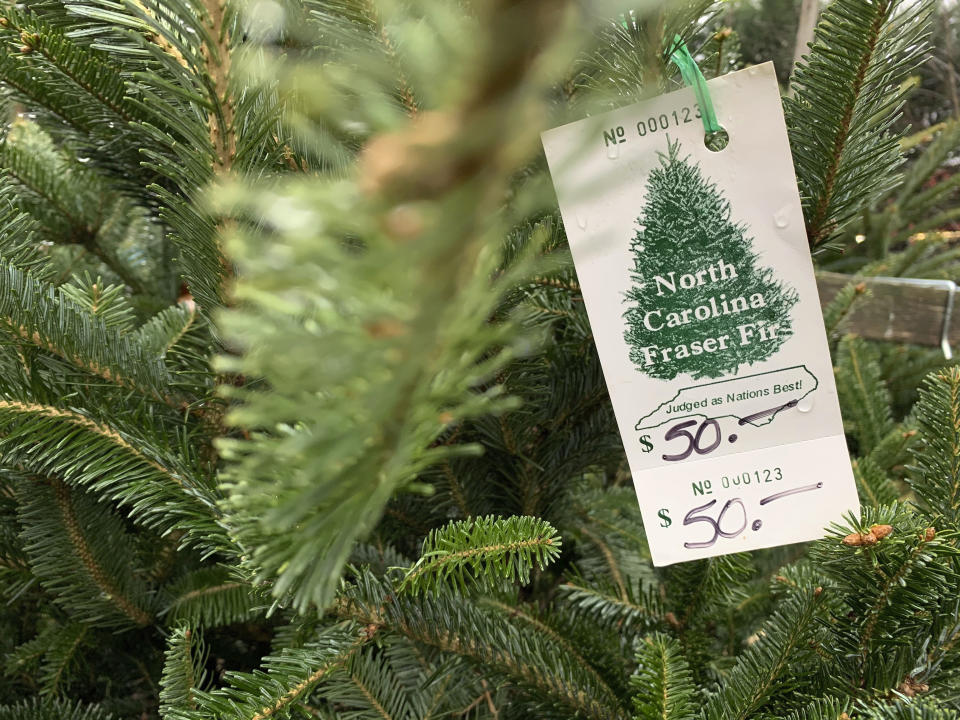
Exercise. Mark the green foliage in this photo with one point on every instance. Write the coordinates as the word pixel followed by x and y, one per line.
pixel 287 678
pixel 845 96
pixel 630 611
pixel 81 555
pixel 663 686
pixel 864 398
pixel 65 443
pixel 298 394
pixel 874 486
pixel 766 31
pixel 936 478
pixel 822 709
pixel 105 302
pixel 553 682
pixel 841 307
pixel 899 231
pixel 51 710
pixel 890 590
pixel 628 61
pixel 53 655
pixel 910 711
pixel 769 667
pixel 483 550
pixel 317 472
pixel 48 318
pixel 211 597
pixel 182 671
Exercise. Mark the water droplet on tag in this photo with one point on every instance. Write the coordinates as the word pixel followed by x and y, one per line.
pixel 781 217
pixel 806 404
pixel 581 222
pixel 752 70
pixel 613 151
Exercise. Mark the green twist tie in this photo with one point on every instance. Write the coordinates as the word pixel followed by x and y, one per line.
pixel 692 77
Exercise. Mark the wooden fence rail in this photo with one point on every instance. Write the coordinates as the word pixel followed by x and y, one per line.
pixel 900 309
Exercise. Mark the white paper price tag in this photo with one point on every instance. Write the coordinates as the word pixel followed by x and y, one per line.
pixel 699 287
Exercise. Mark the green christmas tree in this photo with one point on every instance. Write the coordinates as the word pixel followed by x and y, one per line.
pixel 701 304
pixel 300 415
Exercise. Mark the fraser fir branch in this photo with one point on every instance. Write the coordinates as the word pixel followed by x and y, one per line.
pixel 373 15
pixel 456 491
pixel 74 418
pixel 86 452
pixel 288 679
pixel 184 659
pixel 203 592
pixel 52 709
pixel 158 38
pixel 483 551
pixel 873 485
pixel 89 70
pixel 176 337
pixel 889 587
pixel 370 697
pixel 912 710
pixel 843 305
pixel 425 356
pixel 83 552
pixel 628 612
pixel 90 212
pixel 24 171
pixel 894 450
pixel 54 323
pixel 846 97
pixel 60 656
pixel 106 302
pixel 516 612
pixel 456 626
pixel 210 597
pixel 116 265
pixel 822 709
pixel 817 222
pixel 392 682
pixel 530 674
pixel 61 54
pixel 710 583
pixel 926 164
pixel 936 476
pixel 15 77
pixel 889 583
pixel 663 685
pixel 218 59
pixel 608 556
pixel 863 394
pixel 764 669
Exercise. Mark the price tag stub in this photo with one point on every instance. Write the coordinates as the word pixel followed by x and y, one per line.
pixel 700 291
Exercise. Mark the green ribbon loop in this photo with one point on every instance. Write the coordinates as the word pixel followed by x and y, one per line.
pixel 692 77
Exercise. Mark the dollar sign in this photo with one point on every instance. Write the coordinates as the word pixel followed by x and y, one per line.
pixel 665 520
pixel 645 442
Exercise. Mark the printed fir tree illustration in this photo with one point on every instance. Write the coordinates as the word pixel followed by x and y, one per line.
pixel 700 302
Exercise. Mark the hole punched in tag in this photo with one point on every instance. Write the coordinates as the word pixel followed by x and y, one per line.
pixel 715 136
